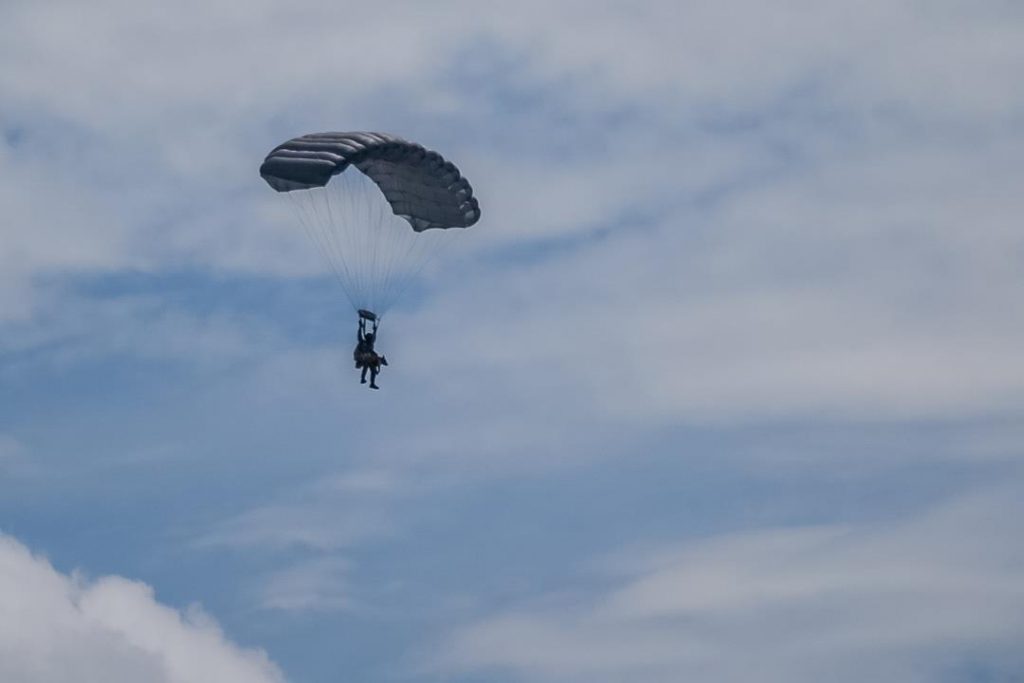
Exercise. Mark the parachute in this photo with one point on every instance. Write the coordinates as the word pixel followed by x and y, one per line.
pixel 373 253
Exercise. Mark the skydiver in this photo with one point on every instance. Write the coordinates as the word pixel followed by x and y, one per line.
pixel 364 355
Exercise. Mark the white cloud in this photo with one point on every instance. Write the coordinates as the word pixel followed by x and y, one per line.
pixel 912 601
pixel 878 285
pixel 51 223
pixel 317 585
pixel 833 191
pixel 325 515
pixel 132 86
pixel 74 329
pixel 322 525
pixel 56 628
pixel 14 458
pixel 10 448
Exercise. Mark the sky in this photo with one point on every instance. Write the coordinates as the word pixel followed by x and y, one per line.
pixel 725 384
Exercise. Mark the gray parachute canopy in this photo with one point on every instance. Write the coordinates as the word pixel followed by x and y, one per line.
pixel 420 185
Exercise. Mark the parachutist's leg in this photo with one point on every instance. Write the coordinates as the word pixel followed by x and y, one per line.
pixel 362 378
pixel 373 376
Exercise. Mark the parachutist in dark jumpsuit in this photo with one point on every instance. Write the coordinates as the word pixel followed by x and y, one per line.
pixel 364 355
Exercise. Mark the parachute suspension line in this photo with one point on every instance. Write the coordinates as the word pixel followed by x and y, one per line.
pixel 323 235
pixel 341 227
pixel 403 253
pixel 338 224
pixel 374 254
pixel 384 246
pixel 398 233
pixel 374 234
pixel 374 215
pixel 362 225
pixel 308 224
pixel 427 255
pixel 366 210
pixel 393 258
pixel 331 237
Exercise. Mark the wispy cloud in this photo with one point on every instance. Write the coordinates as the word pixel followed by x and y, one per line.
pixel 924 598
pixel 14 456
pixel 320 525
pixel 314 586
pixel 327 514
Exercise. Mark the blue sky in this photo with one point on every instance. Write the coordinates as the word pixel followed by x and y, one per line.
pixel 725 385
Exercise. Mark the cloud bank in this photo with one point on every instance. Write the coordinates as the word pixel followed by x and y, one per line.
pixel 56 628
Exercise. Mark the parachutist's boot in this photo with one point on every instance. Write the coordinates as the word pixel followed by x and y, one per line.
pixel 374 386
pixel 362 381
